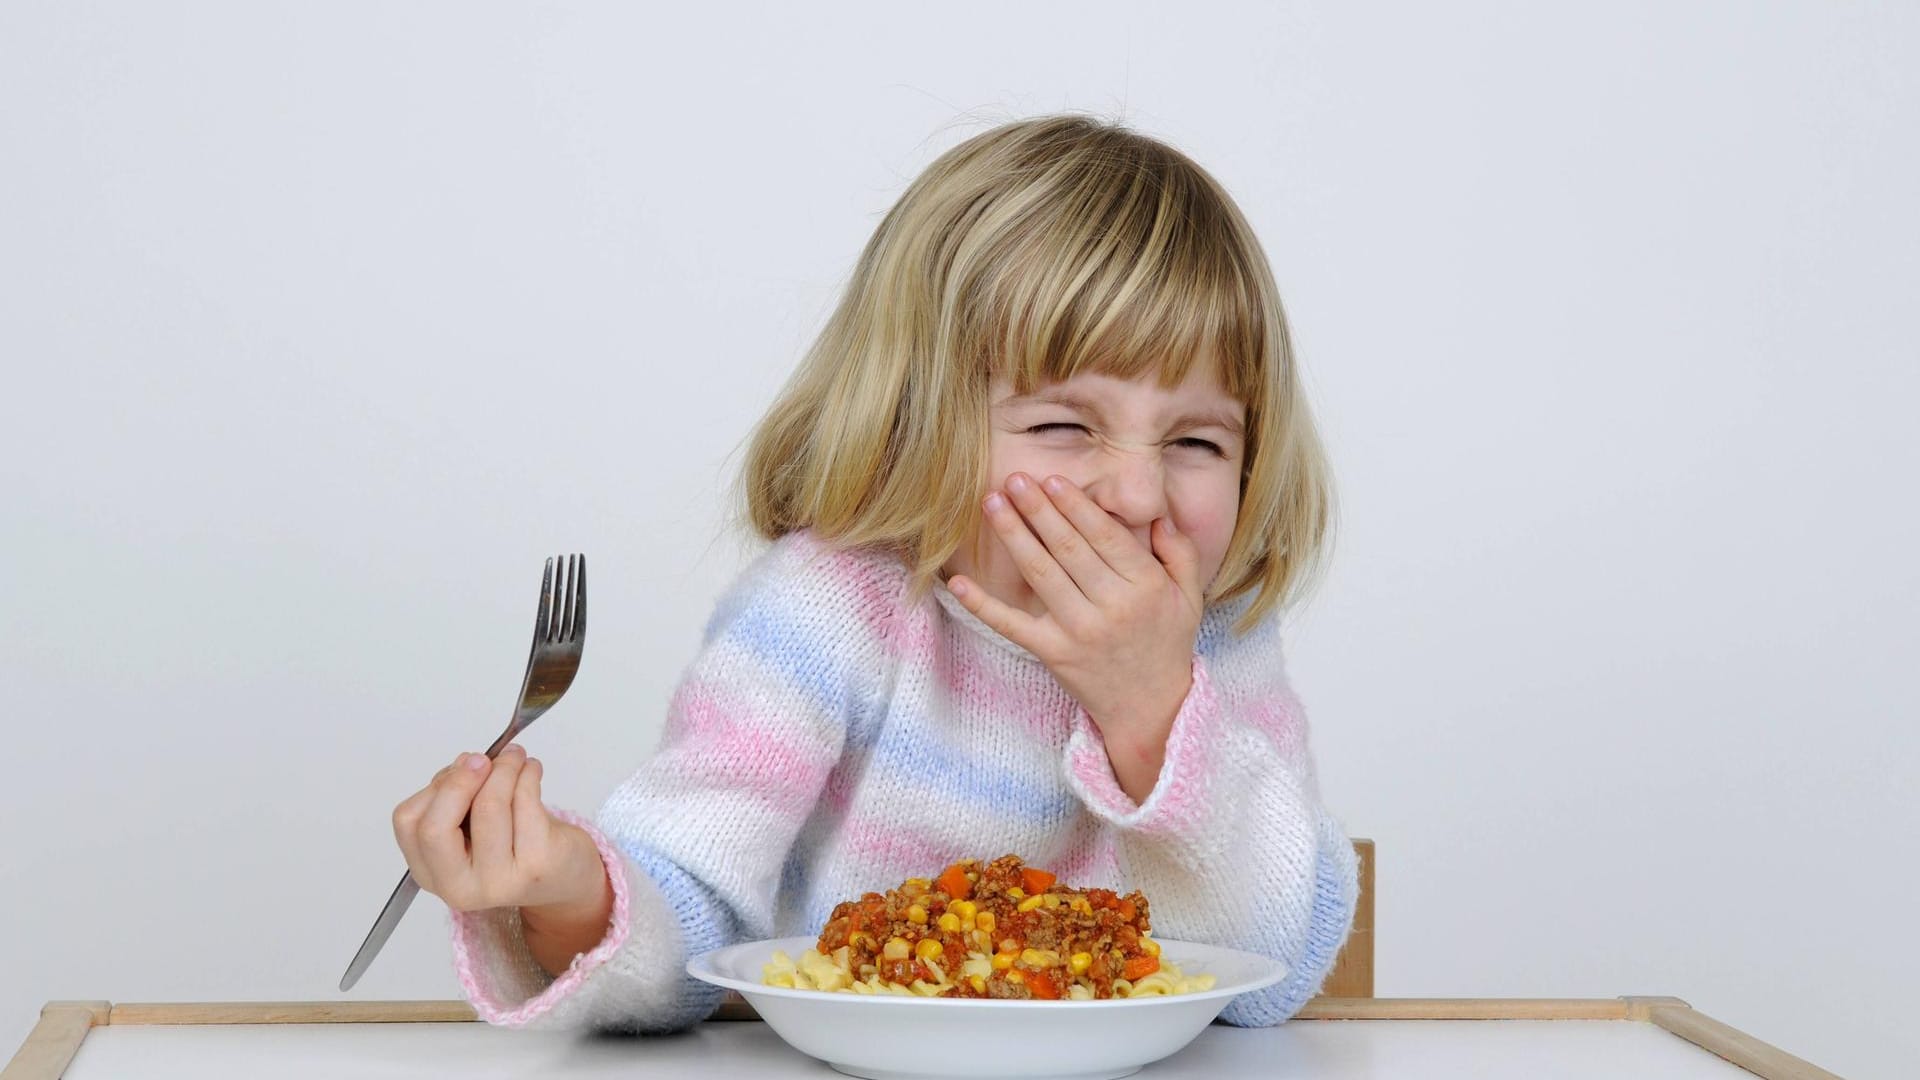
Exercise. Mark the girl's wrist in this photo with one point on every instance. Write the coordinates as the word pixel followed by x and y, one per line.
pixel 1146 715
pixel 558 932
pixel 587 898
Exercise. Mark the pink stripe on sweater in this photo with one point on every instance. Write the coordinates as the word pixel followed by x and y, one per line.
pixel 966 675
pixel 736 745
pixel 883 842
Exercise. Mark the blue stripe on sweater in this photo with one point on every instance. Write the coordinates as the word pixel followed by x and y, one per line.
pixel 799 656
pixel 705 923
pixel 935 766
pixel 1332 917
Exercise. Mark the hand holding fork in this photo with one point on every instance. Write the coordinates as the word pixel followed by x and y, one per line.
pixel 479 836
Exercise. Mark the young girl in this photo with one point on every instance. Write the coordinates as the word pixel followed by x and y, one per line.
pixel 1036 499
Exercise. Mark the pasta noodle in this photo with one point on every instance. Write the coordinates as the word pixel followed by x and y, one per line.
pixel 1003 930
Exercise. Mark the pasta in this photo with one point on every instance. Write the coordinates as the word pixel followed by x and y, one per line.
pixel 1003 930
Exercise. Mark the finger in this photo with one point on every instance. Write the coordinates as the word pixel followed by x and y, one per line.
pixel 1063 540
pixel 1013 624
pixel 1035 563
pixel 410 809
pixel 532 825
pixel 492 827
pixel 1112 541
pixel 442 844
pixel 406 827
pixel 1181 557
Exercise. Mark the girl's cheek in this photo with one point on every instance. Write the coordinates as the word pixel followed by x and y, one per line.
pixel 1209 522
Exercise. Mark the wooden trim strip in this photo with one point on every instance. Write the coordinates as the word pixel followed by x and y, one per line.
pixel 295 1012
pixel 51 1044
pixel 1742 1049
pixel 1331 1008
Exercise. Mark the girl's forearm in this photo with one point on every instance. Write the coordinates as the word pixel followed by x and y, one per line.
pixel 556 933
pixel 1137 745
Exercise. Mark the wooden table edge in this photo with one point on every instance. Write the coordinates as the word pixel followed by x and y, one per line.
pixel 51 1045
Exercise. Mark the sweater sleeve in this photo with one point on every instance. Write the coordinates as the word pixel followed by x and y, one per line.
pixel 695 839
pixel 1233 846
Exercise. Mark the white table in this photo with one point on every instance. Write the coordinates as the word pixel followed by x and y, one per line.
pixel 1650 1038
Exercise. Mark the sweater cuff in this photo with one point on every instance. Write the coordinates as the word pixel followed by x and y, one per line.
pixel 1179 806
pixel 498 972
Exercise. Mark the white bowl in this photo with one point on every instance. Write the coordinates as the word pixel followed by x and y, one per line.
pixel 889 1037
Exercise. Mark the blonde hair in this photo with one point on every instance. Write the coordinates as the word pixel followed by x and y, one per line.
pixel 1036 250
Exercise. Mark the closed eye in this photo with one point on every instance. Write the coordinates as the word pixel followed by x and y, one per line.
pixel 1189 443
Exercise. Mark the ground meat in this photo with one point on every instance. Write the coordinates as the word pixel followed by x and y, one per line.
pixel 1039 943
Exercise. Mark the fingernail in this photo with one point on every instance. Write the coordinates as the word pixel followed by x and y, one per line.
pixel 1170 528
pixel 1016 483
pixel 995 502
pixel 476 762
pixel 957 588
pixel 1056 485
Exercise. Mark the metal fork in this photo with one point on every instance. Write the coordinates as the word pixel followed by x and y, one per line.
pixel 558 632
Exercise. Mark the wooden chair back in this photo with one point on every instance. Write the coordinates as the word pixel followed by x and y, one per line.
pixel 1352 974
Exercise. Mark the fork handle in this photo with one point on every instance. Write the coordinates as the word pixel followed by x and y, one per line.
pixel 397 904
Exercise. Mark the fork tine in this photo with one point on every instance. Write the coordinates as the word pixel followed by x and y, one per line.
pixel 563 617
pixel 542 617
pixel 579 629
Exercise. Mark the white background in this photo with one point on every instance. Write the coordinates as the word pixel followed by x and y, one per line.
pixel 323 324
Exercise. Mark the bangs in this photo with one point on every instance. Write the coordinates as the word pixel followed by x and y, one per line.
pixel 1126 268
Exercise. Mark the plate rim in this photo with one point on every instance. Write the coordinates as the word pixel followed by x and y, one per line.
pixel 702 967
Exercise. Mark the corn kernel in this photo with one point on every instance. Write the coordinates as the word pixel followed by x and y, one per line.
pixel 1030 903
pixel 1040 958
pixel 896 949
pixel 917 882
pixel 984 921
pixel 978 982
pixel 965 909
pixel 950 923
pixel 1002 961
pixel 1016 976
pixel 1079 962
pixel 1050 901
pixel 1149 946
pixel 928 949
pixel 1016 892
pixel 917 914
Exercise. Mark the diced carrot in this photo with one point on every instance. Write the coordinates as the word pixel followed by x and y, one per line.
pixel 1126 909
pixel 953 881
pixel 1140 967
pixel 1035 881
pixel 1041 985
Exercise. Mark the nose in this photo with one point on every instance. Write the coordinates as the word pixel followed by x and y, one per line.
pixel 1132 486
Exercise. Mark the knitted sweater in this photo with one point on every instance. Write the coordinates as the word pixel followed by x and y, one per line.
pixel 831 738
